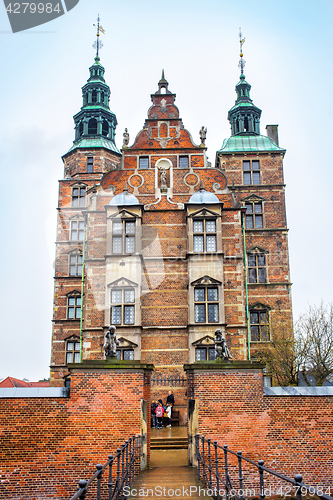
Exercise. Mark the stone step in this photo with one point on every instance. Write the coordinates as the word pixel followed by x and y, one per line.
pixel 169 443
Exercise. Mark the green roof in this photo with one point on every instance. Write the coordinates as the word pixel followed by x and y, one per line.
pixel 240 143
pixel 95 142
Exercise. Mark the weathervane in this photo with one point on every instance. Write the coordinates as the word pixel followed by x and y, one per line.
pixel 98 44
pixel 241 61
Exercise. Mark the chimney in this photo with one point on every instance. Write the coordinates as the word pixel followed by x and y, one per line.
pixel 272 133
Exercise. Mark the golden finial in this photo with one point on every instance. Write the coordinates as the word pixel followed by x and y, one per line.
pixel 241 43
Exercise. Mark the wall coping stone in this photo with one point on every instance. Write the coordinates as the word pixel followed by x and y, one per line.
pixel 110 364
pixel 224 366
pixel 34 392
pixel 299 391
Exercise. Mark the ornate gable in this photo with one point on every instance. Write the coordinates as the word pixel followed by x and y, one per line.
pixel 123 214
pixel 127 343
pixel 257 250
pixel 253 198
pixel 204 341
pixel 205 212
pixel 206 280
pixel 122 282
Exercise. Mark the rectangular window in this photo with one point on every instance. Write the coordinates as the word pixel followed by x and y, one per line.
pixel 206 241
pixel 72 352
pixel 123 237
pixel 122 306
pixel 79 197
pixel 257 268
pixel 254 215
pixel 125 354
pixel 75 265
pixel 143 162
pixel 206 306
pixel 183 162
pixel 259 322
pixel 251 172
pixel 77 230
pixel 90 164
pixel 205 354
pixel 74 308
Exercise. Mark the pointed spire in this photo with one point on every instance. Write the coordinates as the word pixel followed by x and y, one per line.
pixel 98 44
pixel 125 190
pixel 241 61
pixel 163 84
pixel 163 80
pixel 202 187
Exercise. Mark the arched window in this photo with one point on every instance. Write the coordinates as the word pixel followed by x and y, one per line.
pixel 105 128
pixel 163 130
pixel 94 96
pixel 92 126
pixel 163 90
pixel 246 124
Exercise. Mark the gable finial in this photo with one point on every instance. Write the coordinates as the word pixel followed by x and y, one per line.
pixel 125 190
pixel 98 43
pixel 241 61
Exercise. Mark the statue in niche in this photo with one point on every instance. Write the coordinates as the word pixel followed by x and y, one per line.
pixel 221 350
pixel 125 138
pixel 111 342
pixel 203 134
pixel 68 172
pixel 163 179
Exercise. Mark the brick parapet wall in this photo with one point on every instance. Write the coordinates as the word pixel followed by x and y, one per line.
pixel 292 434
pixel 48 444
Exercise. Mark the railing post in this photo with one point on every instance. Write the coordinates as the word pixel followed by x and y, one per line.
pixel 122 469
pixel 118 472
pixel 129 480
pixel 204 473
pixel 83 486
pixel 239 456
pixel 298 478
pixel 110 457
pixel 261 474
pixel 99 468
pixel 209 464
pixel 197 452
pixel 217 472
pixel 126 463
pixel 225 449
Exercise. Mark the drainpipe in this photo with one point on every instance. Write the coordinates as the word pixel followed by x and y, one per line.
pixel 82 284
pixel 246 291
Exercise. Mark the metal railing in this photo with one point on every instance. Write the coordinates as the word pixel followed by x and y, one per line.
pixel 174 381
pixel 125 462
pixel 222 485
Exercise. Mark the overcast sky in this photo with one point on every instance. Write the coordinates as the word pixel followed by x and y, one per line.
pixel 288 63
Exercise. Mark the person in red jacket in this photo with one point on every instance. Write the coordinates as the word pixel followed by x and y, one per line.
pixel 159 415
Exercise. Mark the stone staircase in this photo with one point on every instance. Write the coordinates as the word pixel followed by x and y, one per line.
pixel 169 443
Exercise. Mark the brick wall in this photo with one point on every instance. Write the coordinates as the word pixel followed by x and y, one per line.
pixel 48 444
pixel 292 434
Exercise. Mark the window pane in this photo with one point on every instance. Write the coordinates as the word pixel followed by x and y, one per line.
pixel 128 296
pixel 82 191
pixel 71 313
pixel 198 226
pixel 255 165
pixel 211 353
pixel 258 208
pixel 77 346
pixel 78 313
pixel 249 208
pixel 247 177
pixel 81 224
pixel 79 270
pixel 198 243
pixel 143 162
pixel 183 162
pixel 75 192
pixel 251 260
pixel 212 294
pixel 254 332
pixel 71 301
pixel 263 317
pixel 254 317
pixel 129 354
pixel 200 354
pixel 118 355
pixel 262 275
pixel 130 227
pixel 199 294
pixel 246 165
pixel 69 357
pixel 82 201
pixel 117 228
pixel 72 271
pixel 213 313
pixel 116 297
pixel 211 243
pixel 252 276
pixel 264 333
pixel 74 225
pixel 200 313
pixel 73 259
pixel 262 260
pixel 77 357
pixel 259 222
pixel 81 235
pixel 74 236
pixel 129 315
pixel 256 178
pixel 117 245
pixel 116 315
pixel 78 301
pixel 130 244
pixel 70 346
pixel 249 221
pixel 210 226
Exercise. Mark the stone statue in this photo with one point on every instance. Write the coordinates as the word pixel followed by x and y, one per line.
pixel 111 342
pixel 163 178
pixel 68 172
pixel 126 138
pixel 221 349
pixel 203 134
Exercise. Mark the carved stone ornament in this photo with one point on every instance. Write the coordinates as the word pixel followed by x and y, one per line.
pixel 125 138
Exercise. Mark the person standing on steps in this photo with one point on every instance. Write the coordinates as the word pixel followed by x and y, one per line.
pixel 153 414
pixel 159 415
pixel 168 412
pixel 170 399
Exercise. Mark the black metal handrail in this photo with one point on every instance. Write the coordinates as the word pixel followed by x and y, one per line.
pixel 207 472
pixel 171 380
pixel 124 460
